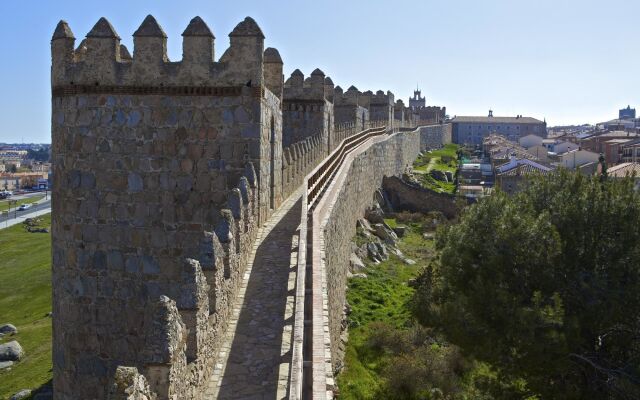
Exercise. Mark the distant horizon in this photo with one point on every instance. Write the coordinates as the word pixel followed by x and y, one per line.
pixel 553 60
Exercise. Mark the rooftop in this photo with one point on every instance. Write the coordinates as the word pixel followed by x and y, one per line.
pixel 624 169
pixel 497 120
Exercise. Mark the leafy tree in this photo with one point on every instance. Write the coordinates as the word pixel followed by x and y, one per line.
pixel 39 155
pixel 545 286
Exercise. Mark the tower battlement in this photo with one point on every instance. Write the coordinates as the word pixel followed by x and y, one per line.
pixel 164 171
pixel 102 61
pixel 316 87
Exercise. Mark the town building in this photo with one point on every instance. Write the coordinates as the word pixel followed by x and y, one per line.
pixel 576 158
pixel 595 142
pixel 631 151
pixel 627 113
pixel 624 170
pixel 426 114
pixel 530 141
pixel 472 130
pixel 512 176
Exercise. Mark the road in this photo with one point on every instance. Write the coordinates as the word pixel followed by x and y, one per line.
pixel 17 217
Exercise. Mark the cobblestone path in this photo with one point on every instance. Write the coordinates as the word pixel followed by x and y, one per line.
pixel 255 359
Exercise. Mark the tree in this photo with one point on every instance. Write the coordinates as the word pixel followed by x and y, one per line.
pixel 545 286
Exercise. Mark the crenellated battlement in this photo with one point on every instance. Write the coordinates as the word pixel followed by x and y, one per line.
pixel 317 87
pixel 101 60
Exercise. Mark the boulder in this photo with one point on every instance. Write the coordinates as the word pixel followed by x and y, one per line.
pixel 372 252
pixel 355 263
pixel 23 394
pixel 428 235
pixel 385 233
pixel 438 175
pixel 375 214
pixel 400 230
pixel 360 275
pixel 364 224
pixel 382 250
pixel 8 329
pixel 5 364
pixel 11 351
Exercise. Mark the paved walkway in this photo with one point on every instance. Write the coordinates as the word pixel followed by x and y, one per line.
pixel 254 362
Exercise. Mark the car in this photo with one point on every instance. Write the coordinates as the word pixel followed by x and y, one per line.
pixel 24 207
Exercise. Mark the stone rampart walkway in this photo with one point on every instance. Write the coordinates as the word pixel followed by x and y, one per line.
pixel 254 362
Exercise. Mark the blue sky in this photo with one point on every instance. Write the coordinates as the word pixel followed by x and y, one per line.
pixel 569 61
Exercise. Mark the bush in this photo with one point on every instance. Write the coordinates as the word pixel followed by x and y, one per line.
pixel 545 286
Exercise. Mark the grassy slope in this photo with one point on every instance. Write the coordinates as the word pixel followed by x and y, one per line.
pixel 4 204
pixel 434 158
pixel 25 299
pixel 382 297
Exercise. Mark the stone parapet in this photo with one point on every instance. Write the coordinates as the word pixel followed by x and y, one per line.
pixel 101 60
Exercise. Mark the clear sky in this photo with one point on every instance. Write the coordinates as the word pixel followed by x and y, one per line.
pixel 569 61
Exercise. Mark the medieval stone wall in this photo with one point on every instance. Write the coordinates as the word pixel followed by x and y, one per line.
pixel 434 136
pixel 163 172
pixel 387 158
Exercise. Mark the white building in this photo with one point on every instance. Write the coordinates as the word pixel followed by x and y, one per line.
pixel 563 147
pixel 530 141
pixel 575 158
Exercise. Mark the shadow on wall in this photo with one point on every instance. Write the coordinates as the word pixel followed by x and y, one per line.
pixel 259 349
pixel 407 197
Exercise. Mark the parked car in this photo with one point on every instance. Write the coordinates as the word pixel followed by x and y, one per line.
pixel 24 207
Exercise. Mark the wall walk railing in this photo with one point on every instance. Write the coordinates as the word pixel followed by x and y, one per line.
pixel 303 383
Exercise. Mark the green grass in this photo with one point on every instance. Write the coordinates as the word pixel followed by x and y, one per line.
pixel 25 299
pixel 382 297
pixel 434 161
pixel 4 204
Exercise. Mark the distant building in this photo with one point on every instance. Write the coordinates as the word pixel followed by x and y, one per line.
pixel 417 101
pixel 472 130
pixel 595 142
pixel 627 113
pixel 512 176
pixel 631 151
pixel 576 158
pixel 430 114
pixel 530 141
pixel 626 170
pixel 563 147
pixel 618 125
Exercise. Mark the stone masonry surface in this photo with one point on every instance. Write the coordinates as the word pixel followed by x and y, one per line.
pixel 255 357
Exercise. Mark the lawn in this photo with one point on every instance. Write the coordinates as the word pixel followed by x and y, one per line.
pixel 382 297
pixel 4 204
pixel 25 300
pixel 444 159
